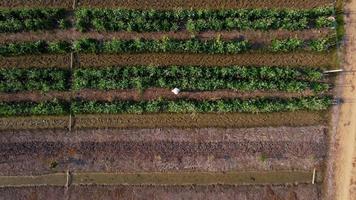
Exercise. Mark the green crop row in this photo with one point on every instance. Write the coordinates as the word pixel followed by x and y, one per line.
pixel 184 77
pixel 200 20
pixel 180 106
pixel 15 80
pixel 38 47
pixel 215 46
pixel 31 19
pixel 200 78
pixel 31 108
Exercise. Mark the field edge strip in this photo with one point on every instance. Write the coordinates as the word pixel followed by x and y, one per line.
pixel 159 178
pixel 230 120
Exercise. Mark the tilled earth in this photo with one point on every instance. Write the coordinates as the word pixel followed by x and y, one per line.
pixel 133 150
pixel 290 192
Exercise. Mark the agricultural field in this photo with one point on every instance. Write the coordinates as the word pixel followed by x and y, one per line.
pixel 87 108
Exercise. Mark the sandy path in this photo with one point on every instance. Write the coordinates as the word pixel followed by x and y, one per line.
pixel 345 163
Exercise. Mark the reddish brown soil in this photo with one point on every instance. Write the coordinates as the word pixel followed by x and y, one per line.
pixel 163 4
pixel 58 61
pixel 197 120
pixel 131 150
pixel 36 3
pixel 298 59
pixel 276 192
pixel 237 120
pixel 254 36
pixel 39 122
pixel 148 94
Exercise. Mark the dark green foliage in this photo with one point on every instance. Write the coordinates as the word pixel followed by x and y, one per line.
pixel 187 106
pixel 31 108
pixel 323 44
pixel 15 80
pixel 15 20
pixel 163 45
pixel 286 45
pixel 180 106
pixel 215 46
pixel 37 47
pixel 198 20
pixel 293 44
pixel 200 78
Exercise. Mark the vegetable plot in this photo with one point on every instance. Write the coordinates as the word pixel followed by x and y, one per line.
pixel 16 20
pixel 201 20
pixel 181 106
pixel 200 78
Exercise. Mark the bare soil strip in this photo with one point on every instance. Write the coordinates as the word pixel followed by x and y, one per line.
pixel 254 36
pixel 234 120
pixel 148 94
pixel 132 150
pixel 315 133
pixel 209 192
pixel 163 4
pixel 161 179
pixel 36 3
pixel 294 59
pixel 38 122
pixel 342 166
pixel 58 61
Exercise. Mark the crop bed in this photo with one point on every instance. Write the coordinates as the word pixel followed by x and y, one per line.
pixel 301 192
pixel 85 86
pixel 163 150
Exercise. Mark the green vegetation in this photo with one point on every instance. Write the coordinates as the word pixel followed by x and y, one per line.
pixel 180 106
pixel 37 47
pixel 31 108
pixel 14 80
pixel 189 106
pixel 163 45
pixel 199 78
pixel 214 46
pixel 200 20
pixel 16 20
pixel 293 44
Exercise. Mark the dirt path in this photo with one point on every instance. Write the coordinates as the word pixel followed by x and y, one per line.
pixel 148 94
pixel 251 35
pixel 344 162
pixel 211 192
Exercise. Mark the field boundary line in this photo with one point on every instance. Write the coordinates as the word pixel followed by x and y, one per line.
pixel 161 178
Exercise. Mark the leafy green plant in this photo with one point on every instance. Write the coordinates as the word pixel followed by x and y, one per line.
pixel 189 106
pixel 54 107
pixel 199 78
pixel 15 80
pixel 198 20
pixel 24 19
pixel 286 45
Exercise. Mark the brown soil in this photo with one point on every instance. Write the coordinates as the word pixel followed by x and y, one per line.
pixel 147 150
pixel 237 120
pixel 298 59
pixel 163 4
pixel 269 192
pixel 58 61
pixel 148 94
pixel 38 122
pixel 254 36
pixel 36 3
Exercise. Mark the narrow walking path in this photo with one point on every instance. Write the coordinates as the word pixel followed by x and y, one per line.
pixel 345 161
